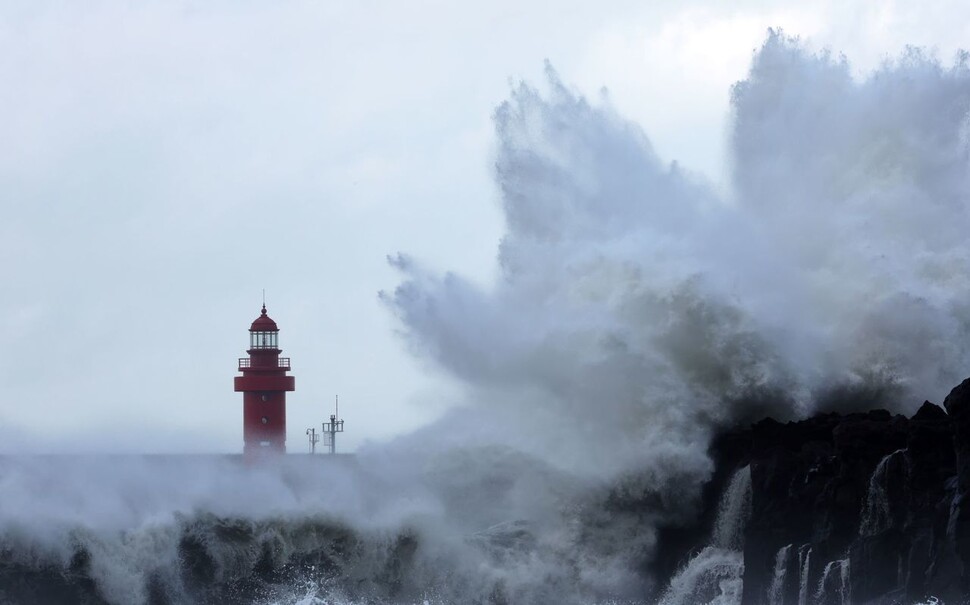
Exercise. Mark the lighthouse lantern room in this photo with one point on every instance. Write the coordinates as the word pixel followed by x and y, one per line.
pixel 264 384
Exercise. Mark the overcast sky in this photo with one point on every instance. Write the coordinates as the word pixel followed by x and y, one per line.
pixel 161 163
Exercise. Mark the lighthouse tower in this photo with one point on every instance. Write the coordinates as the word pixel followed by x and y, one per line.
pixel 264 384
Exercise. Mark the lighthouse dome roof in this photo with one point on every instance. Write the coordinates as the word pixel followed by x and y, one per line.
pixel 264 323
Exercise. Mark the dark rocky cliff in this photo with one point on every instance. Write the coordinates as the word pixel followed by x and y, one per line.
pixel 864 508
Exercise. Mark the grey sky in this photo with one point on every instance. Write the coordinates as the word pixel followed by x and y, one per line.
pixel 162 163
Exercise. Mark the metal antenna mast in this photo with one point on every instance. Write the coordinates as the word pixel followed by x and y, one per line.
pixel 330 429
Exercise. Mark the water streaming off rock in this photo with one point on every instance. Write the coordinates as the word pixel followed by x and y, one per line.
pixel 714 575
pixel 876 514
pixel 804 566
pixel 779 575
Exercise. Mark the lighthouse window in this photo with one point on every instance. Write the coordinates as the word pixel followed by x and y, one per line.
pixel 263 340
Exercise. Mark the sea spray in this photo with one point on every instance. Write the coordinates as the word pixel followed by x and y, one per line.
pixel 464 525
pixel 640 309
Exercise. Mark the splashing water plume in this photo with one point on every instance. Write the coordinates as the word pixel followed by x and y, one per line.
pixel 636 299
pixel 640 310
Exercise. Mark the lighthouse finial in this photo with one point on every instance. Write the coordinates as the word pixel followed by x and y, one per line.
pixel 264 301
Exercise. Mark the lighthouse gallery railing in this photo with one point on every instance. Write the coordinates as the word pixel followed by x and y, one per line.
pixel 282 363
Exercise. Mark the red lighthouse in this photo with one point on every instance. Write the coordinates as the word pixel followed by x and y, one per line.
pixel 264 384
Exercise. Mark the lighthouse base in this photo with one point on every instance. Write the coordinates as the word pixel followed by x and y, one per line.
pixel 263 450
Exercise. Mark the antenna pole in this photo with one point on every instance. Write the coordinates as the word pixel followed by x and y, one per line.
pixel 314 438
pixel 330 429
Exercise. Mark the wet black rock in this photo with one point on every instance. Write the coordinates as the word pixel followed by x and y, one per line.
pixel 864 508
